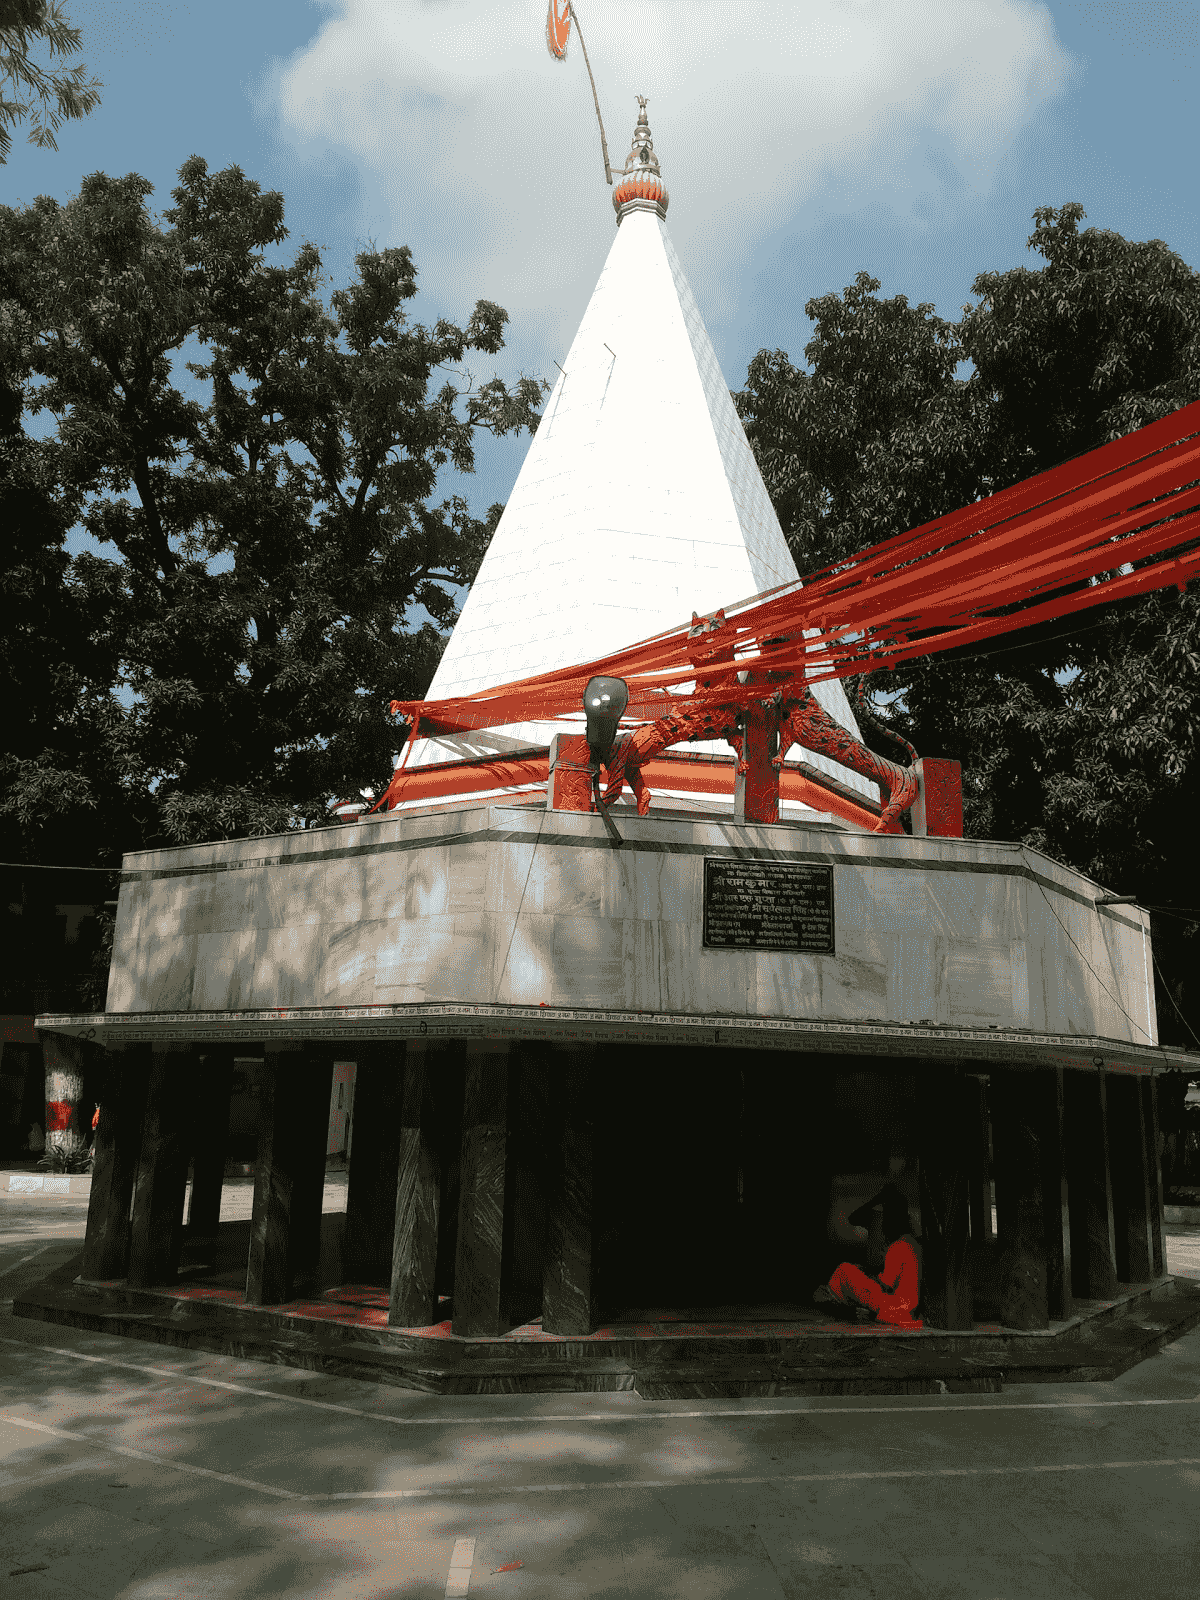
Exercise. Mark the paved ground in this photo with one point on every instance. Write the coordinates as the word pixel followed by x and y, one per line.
pixel 129 1470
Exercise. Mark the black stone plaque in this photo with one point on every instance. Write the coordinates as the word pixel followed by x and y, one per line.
pixel 768 905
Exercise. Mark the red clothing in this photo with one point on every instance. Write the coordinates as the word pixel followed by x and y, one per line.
pixel 893 1295
pixel 900 1275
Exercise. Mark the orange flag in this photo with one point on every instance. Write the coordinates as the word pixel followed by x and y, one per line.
pixel 558 28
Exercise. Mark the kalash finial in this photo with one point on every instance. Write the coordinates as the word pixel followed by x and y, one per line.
pixel 640 186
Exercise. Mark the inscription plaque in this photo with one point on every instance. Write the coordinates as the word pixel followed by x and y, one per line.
pixel 768 905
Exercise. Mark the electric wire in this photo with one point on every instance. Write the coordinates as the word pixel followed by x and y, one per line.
pixel 1171 997
pixel 50 866
pixel 520 905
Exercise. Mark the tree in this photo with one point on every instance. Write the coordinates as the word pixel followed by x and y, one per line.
pixel 232 664
pixel 1080 738
pixel 73 94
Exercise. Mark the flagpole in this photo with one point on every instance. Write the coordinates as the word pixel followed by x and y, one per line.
pixel 596 98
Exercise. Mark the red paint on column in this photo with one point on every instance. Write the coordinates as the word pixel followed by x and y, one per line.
pixel 570 783
pixel 58 1115
pixel 938 813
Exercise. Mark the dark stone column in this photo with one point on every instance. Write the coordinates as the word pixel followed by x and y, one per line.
pixel 1149 1099
pixel 530 1154
pixel 417 1210
pixel 374 1156
pixel 487 1180
pixel 311 1080
pixel 1020 1205
pixel 978 1161
pixel 1093 1233
pixel 568 1300
pixel 211 1132
pixel 1130 1180
pixel 289 1176
pixel 1049 1107
pixel 944 1111
pixel 117 1149
pixel 157 1230
pixel 449 1085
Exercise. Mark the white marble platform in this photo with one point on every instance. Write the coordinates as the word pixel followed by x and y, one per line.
pixel 512 906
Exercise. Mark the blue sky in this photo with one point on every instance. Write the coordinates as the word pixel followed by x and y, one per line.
pixel 801 143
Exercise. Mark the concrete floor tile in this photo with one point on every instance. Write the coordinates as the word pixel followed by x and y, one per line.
pixel 39 1581
pixel 884 1580
pixel 1130 1573
pixel 1012 1576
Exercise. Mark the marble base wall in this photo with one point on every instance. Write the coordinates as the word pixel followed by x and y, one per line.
pixel 496 905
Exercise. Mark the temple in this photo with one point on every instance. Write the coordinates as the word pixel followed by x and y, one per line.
pixel 614 1065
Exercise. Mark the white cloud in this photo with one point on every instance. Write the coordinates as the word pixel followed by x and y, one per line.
pixel 479 151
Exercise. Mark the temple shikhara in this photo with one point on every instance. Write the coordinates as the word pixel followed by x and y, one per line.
pixel 658 994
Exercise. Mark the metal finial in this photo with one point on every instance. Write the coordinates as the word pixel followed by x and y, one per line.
pixel 640 187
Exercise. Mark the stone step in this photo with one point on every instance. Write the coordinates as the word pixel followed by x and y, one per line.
pixel 656 1369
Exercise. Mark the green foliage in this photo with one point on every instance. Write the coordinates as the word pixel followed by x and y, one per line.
pixel 60 1158
pixel 231 668
pixel 58 96
pixel 876 438
pixel 1080 738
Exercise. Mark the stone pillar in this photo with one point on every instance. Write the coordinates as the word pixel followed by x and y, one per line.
pixel 215 1088
pixel 310 1078
pixel 756 789
pixel 568 1289
pixel 937 812
pixel 531 1123
pixel 66 1118
pixel 1093 1232
pixel 157 1230
pixel 483 1260
pixel 569 781
pixel 1149 1099
pixel 117 1150
pixel 1048 1093
pixel 1020 1203
pixel 1132 1221
pixel 944 1109
pixel 417 1211
pixel 289 1175
pixel 374 1156
pixel 978 1161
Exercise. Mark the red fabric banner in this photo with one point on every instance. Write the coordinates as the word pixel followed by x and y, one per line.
pixel 1119 521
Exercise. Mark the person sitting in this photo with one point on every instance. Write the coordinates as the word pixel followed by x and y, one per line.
pixel 895 1294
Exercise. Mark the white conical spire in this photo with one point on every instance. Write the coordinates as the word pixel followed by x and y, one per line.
pixel 640 500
